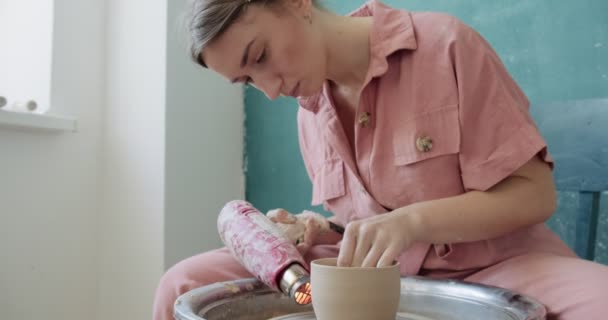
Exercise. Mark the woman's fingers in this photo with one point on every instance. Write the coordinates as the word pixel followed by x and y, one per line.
pixel 373 242
pixel 364 244
pixel 327 237
pixel 303 248
pixel 317 218
pixel 347 248
pixel 312 232
pixel 281 216
pixel 373 256
pixel 388 257
pixel 305 229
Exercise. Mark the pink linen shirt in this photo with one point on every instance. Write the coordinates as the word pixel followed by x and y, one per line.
pixel 439 116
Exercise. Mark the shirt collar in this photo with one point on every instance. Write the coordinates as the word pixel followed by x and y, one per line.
pixel 392 30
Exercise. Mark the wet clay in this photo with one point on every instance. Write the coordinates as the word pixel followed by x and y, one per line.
pixel 311 316
pixel 344 293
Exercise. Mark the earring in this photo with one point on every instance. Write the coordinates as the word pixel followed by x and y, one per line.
pixel 309 18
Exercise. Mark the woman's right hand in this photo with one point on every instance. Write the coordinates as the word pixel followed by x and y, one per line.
pixel 306 229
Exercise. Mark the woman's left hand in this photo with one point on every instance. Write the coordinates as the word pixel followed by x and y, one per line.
pixel 377 241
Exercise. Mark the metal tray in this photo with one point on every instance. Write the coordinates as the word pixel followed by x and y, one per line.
pixel 421 299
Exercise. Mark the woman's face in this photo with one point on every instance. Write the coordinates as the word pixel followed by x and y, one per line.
pixel 275 49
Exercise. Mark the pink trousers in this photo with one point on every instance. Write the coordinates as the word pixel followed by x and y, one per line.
pixel 570 288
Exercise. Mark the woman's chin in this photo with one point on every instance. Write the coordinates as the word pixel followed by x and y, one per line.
pixel 307 90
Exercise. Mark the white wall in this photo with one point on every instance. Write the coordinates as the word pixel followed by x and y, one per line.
pixel 172 154
pixel 133 157
pixel 49 201
pixel 25 65
pixel 90 220
pixel 204 148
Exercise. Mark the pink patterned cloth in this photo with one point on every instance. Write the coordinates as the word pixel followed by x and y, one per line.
pixel 256 242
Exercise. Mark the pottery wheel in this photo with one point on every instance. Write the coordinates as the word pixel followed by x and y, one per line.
pixel 311 316
pixel 421 299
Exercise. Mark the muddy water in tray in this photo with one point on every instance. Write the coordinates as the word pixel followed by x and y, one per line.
pixel 421 299
pixel 311 316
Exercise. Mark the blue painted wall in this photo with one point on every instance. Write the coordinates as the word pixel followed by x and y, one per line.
pixel 556 51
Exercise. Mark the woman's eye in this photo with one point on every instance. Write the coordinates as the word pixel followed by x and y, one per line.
pixel 262 57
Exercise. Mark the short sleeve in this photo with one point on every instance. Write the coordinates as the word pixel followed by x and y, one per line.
pixel 498 135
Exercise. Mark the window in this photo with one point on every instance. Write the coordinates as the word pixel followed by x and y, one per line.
pixel 26 35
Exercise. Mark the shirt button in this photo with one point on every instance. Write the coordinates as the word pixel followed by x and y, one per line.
pixel 364 119
pixel 424 144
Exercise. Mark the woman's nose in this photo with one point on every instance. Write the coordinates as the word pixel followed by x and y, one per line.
pixel 269 84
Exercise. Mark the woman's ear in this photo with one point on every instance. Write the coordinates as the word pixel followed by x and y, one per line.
pixel 301 7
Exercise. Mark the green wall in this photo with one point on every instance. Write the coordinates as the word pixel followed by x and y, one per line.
pixel 556 51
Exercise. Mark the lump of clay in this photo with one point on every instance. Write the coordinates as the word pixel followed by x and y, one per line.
pixel 295 226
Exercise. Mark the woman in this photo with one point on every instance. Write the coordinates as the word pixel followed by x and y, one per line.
pixel 414 135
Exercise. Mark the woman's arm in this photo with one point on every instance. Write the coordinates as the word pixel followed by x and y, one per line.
pixel 525 198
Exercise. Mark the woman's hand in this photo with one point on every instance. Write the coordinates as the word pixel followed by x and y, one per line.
pixel 305 229
pixel 377 241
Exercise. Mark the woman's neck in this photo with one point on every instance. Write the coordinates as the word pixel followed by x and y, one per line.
pixel 347 48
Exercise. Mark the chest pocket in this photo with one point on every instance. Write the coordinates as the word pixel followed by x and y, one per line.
pixel 425 162
pixel 427 136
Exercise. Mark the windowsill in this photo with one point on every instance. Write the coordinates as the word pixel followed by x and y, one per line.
pixel 45 122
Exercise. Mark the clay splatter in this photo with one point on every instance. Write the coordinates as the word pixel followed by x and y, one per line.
pixel 233 288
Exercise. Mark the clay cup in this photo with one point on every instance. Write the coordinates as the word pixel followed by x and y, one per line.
pixel 352 293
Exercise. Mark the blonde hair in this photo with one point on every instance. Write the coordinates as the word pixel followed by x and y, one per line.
pixel 206 20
